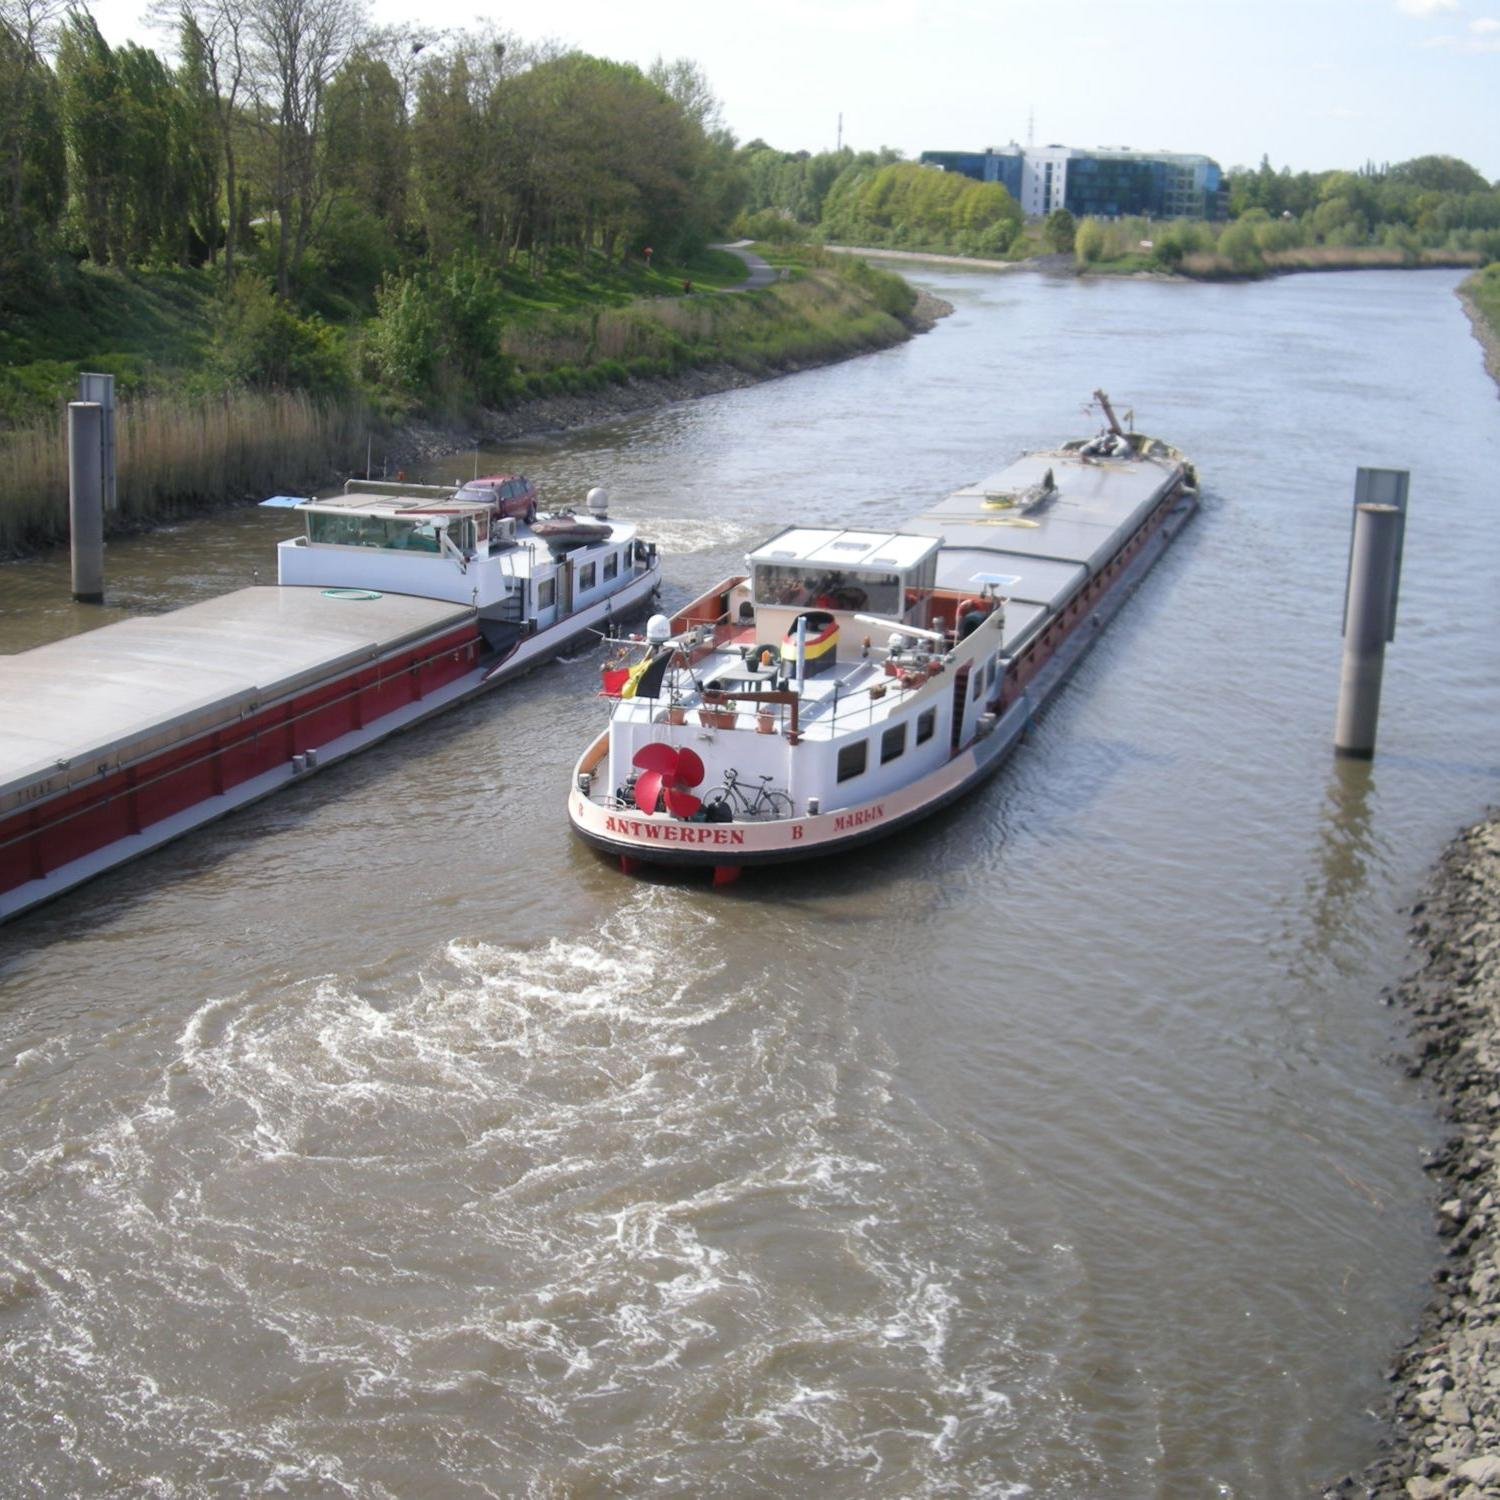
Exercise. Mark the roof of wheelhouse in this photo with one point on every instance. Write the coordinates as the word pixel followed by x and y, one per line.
pixel 826 548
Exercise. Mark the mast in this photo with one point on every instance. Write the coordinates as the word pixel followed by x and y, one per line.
pixel 1109 412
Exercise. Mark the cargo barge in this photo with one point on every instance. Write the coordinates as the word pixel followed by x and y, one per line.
pixel 853 682
pixel 389 608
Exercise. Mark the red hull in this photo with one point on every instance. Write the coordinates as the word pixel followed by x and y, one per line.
pixel 86 819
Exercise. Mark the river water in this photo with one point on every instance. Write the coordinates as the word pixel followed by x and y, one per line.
pixel 383 1141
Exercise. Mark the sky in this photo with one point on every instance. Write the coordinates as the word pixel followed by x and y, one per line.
pixel 1313 84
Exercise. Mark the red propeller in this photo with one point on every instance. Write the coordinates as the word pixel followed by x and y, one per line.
pixel 670 773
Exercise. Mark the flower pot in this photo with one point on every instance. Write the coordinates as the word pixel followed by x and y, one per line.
pixel 765 724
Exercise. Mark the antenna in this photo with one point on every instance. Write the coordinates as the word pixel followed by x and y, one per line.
pixel 840 145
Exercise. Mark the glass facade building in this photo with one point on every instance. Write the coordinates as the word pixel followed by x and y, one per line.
pixel 1106 183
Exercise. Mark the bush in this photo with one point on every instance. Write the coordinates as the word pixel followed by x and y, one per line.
pixel 402 342
pixel 1088 242
pixel 262 344
pixel 1060 230
pixel 438 334
pixel 1237 245
pixel 771 226
pixel 346 265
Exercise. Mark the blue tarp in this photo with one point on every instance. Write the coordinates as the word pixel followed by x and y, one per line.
pixel 284 502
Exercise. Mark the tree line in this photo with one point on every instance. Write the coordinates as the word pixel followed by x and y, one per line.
pixel 296 128
pixel 390 171
pixel 1431 202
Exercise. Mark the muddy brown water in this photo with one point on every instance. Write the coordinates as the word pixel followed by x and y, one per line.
pixel 380 1140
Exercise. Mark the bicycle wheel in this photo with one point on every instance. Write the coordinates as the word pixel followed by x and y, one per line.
pixel 775 805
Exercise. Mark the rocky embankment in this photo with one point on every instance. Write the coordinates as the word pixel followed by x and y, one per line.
pixel 1445 1408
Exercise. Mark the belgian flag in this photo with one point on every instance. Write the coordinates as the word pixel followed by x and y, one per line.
pixel 646 676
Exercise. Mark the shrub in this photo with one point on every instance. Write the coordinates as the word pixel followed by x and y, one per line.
pixel 261 343
pixel 402 341
pixel 440 333
pixel 772 226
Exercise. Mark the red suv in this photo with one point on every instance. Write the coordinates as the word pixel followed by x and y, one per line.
pixel 515 493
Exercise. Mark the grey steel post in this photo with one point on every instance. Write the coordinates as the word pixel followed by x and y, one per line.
pixel 86 500
pixel 1369 617
pixel 101 388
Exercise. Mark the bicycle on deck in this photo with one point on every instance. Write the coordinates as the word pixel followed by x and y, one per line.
pixel 738 802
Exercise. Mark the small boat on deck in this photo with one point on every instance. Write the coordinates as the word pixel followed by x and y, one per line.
pixel 563 531
pixel 852 682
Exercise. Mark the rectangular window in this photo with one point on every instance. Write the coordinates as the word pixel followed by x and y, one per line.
pixel 892 742
pixel 586 577
pixel 926 724
pixel 611 566
pixel 852 760
pixel 546 594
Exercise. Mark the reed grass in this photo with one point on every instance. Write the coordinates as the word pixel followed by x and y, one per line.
pixel 178 455
pixel 1210 264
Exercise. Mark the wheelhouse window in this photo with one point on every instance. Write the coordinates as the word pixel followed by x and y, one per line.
pixel 806 584
pixel 586 577
pixel 400 533
pixel 892 743
pixel 853 760
pixel 350 529
pixel 611 566
pixel 926 725
pixel 546 593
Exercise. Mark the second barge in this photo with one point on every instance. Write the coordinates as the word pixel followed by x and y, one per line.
pixel 390 608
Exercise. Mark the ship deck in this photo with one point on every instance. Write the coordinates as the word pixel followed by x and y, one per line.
pixel 87 704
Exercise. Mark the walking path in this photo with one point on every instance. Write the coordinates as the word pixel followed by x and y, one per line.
pixel 761 275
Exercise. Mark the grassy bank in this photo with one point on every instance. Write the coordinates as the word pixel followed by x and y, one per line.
pixel 1481 299
pixel 149 331
pixel 820 312
pixel 184 447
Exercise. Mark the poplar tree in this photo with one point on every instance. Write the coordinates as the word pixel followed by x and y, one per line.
pixel 33 178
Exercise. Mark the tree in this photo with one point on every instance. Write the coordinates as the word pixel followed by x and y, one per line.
pixel 1088 242
pixel 151 195
pixel 92 128
pixel 215 44
pixel 295 49
pixel 367 153
pixel 1059 230
pixel 1237 245
pixel 33 180
pixel 196 142
pixel 1442 174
